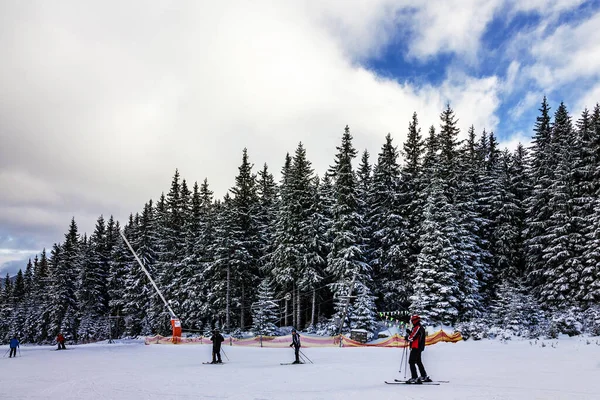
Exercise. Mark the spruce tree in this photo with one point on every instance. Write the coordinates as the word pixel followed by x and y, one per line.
pixel 389 253
pixel 65 272
pixel 244 259
pixel 264 311
pixel 346 258
pixel 563 253
pixel 538 210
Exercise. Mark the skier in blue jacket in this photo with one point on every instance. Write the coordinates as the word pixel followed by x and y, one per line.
pixel 14 343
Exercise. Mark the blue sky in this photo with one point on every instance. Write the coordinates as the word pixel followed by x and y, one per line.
pixel 100 103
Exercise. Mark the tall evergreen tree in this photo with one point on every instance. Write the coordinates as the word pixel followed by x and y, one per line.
pixel 346 258
pixel 538 210
pixel 563 253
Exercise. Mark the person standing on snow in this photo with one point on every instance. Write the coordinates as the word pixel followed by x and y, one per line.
pixel 416 340
pixel 14 343
pixel 60 339
pixel 216 340
pixel 296 344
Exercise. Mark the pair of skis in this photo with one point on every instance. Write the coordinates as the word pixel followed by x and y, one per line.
pixel 401 382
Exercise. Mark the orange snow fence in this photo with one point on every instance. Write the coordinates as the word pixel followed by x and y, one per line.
pixel 308 341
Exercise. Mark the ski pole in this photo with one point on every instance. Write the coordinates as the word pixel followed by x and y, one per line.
pixel 406 365
pixel 402 359
pixel 6 352
pixel 19 348
pixel 223 351
pixel 304 355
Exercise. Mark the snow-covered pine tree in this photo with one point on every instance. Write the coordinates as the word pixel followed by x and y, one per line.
pixel 463 228
pixel 218 274
pixel 6 308
pixel 201 284
pixel 364 315
pixel 41 294
pixel 517 311
pixel 310 263
pixel 92 294
pixel 563 253
pixel 136 301
pixel 520 188
pixel 65 271
pixel 265 310
pixel 267 213
pixel 507 224
pixel 346 258
pixel 18 316
pixel 437 294
pixel 590 278
pixel 246 243
pixel 281 264
pixel 389 243
pixel 538 210
pixel 411 186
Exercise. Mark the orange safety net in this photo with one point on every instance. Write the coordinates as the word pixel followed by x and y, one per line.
pixel 307 341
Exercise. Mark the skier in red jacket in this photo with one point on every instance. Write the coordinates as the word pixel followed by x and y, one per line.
pixel 416 340
pixel 60 339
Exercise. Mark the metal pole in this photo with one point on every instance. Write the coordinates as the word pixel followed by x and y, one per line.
pixel 402 359
pixel 304 355
pixel 223 351
pixel 346 308
pixel 148 275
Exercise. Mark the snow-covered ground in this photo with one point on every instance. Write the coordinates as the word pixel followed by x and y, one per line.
pixel 563 369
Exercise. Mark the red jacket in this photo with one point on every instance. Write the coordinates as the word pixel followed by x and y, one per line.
pixel 417 337
pixel 60 338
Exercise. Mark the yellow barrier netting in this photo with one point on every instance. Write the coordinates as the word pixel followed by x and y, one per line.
pixel 307 341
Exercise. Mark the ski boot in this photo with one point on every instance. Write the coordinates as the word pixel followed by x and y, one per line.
pixel 424 379
pixel 414 381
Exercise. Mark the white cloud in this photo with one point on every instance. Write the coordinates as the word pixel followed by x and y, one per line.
pixel 588 100
pixel 450 26
pixel 105 101
pixel 569 54
pixel 513 141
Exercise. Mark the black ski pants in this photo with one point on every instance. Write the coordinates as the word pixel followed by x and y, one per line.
pixel 61 346
pixel 216 354
pixel 13 352
pixel 297 351
pixel 414 360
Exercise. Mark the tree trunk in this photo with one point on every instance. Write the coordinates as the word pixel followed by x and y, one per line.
pixel 242 310
pixel 285 314
pixel 298 309
pixel 294 306
pixel 314 302
pixel 227 299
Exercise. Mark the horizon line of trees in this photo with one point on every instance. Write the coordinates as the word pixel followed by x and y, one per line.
pixel 450 233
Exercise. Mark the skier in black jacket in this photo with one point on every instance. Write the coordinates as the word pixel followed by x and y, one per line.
pixel 416 340
pixel 216 340
pixel 296 344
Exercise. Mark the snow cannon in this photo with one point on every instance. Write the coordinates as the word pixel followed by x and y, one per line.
pixel 176 326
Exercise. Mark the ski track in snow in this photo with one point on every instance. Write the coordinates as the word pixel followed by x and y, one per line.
pixel 476 371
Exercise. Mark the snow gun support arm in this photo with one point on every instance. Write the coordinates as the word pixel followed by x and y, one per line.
pixel 173 316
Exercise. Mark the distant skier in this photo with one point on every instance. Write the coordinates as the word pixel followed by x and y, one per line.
pixel 216 340
pixel 60 339
pixel 416 339
pixel 14 344
pixel 296 344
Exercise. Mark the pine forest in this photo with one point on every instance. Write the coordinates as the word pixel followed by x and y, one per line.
pixel 462 232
